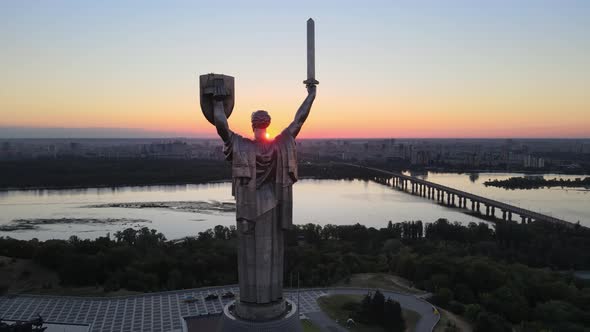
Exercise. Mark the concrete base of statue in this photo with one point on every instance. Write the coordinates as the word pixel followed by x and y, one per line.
pixel 283 316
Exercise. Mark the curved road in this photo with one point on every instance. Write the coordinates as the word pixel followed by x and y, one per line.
pixel 426 322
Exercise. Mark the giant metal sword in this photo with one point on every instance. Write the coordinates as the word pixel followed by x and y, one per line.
pixel 310 54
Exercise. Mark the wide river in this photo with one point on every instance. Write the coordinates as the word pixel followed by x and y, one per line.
pixel 315 201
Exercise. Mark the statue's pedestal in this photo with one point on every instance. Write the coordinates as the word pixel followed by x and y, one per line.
pixel 283 316
pixel 260 312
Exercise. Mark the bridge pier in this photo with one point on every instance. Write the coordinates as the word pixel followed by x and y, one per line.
pixel 487 210
pixel 509 215
pixel 503 214
pixel 453 199
pixel 472 205
pixel 494 211
pixel 522 219
pixel 478 210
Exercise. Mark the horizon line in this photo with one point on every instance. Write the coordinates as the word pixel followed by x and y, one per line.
pixel 307 138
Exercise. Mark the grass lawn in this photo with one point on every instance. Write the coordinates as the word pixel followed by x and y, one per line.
pixel 337 307
pixel 380 280
pixel 448 319
pixel 309 326
pixel 411 318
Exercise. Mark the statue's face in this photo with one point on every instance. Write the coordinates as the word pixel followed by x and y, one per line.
pixel 260 134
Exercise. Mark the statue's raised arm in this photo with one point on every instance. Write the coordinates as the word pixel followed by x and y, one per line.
pixel 221 120
pixel 303 111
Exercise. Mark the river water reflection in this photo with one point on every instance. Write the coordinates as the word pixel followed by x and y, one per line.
pixel 316 201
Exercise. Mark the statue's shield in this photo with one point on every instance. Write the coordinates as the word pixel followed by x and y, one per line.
pixel 208 85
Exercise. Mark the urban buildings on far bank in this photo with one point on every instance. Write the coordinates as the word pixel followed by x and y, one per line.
pixel 483 153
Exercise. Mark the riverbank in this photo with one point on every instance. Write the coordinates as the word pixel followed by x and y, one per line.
pixel 49 174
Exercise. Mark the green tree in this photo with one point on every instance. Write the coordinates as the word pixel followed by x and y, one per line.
pixel 378 307
pixel 490 322
pixel 442 297
pixel 508 302
pixel 472 311
pixel 392 316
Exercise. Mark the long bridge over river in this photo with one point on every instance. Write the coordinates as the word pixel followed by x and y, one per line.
pixel 457 198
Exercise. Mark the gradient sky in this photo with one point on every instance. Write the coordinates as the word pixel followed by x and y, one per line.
pixel 386 68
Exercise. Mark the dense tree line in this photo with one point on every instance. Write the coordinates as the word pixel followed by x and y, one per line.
pixel 499 278
pixel 81 172
pixel 524 182
pixel 139 260
pixel 496 277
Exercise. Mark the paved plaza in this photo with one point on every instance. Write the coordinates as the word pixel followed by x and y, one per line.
pixel 164 311
pixel 147 312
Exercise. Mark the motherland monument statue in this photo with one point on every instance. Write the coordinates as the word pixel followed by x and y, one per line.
pixel 263 172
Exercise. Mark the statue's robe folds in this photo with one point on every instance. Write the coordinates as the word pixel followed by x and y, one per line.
pixel 263 174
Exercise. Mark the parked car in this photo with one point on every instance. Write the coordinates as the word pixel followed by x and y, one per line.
pixel 228 295
pixel 190 299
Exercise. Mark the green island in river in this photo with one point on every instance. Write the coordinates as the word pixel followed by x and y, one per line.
pixel 535 182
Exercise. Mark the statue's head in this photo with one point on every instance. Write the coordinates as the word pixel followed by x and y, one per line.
pixel 260 121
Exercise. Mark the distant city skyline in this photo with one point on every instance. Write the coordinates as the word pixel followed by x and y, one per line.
pixel 455 69
pixel 109 133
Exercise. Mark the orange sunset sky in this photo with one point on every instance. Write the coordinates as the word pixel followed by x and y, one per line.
pixel 386 69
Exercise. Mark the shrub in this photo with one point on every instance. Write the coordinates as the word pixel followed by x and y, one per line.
pixel 456 307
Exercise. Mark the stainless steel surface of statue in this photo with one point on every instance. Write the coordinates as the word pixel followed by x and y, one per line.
pixel 263 172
